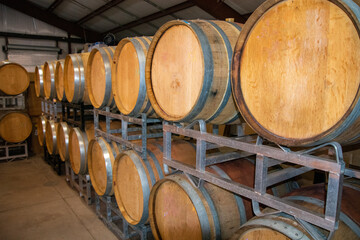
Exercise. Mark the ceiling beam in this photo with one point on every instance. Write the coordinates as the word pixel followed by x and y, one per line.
pixel 153 16
pixel 54 5
pixel 220 10
pixel 99 11
pixel 33 10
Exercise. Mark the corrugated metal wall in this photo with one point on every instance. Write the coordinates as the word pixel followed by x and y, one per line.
pixel 15 22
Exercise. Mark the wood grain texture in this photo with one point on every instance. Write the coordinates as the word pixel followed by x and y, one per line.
pixel 39 81
pixel 262 234
pixel 74 78
pixel 14 78
pixel 173 215
pixel 128 79
pixel 59 80
pixel 15 126
pixel 98 159
pixel 33 102
pixel 78 147
pixel 62 138
pixel 295 72
pixel 349 206
pixel 188 71
pixel 41 126
pixel 98 77
pixel 50 136
pixel 133 178
pixel 172 219
pixel 49 79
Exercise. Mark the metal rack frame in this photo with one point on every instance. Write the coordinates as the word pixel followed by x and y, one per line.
pixel 125 139
pixel 144 124
pixel 78 115
pixel 54 161
pixel 266 156
pixel 8 156
pixel 114 220
pixel 12 102
pixel 51 108
pixel 79 182
pixel 75 115
pixel 8 103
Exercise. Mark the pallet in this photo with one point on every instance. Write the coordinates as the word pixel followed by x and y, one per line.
pixel 108 211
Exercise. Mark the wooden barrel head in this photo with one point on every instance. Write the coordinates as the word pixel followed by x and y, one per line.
pixel 177 72
pixel 173 214
pixel 69 78
pixel 97 79
pixel 41 125
pixel 130 195
pixel 59 80
pixel 62 137
pixel 15 127
pixel 39 81
pixel 14 78
pixel 128 78
pixel 75 151
pixel 296 69
pixel 101 157
pixel 47 80
pixel 261 233
pixel 50 135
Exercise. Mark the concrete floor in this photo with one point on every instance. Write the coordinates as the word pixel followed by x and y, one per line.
pixel 36 203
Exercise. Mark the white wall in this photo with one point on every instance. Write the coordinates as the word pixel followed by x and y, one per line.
pixel 15 22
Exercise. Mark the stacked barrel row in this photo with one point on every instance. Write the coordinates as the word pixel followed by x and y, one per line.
pixel 185 73
pixel 15 125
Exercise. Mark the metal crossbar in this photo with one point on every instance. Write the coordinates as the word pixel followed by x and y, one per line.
pixel 12 102
pixel 10 152
pixel 114 220
pixel 50 108
pixel 76 114
pixel 125 139
pixel 81 183
pixel 266 156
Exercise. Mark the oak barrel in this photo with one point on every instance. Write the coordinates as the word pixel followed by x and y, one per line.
pixel 133 177
pixel 188 71
pixel 39 81
pixel 41 127
pixel 50 135
pixel 98 77
pixel 78 147
pixel 74 78
pixel 15 126
pixel 295 71
pixel 59 80
pixel 14 78
pixel 49 79
pixel 128 78
pixel 62 136
pixel 178 210
pixel 284 227
pixel 101 158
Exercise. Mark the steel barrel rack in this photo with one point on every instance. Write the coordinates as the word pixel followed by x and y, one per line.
pixel 11 151
pixel 113 217
pixel 51 110
pixel 76 115
pixel 266 156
